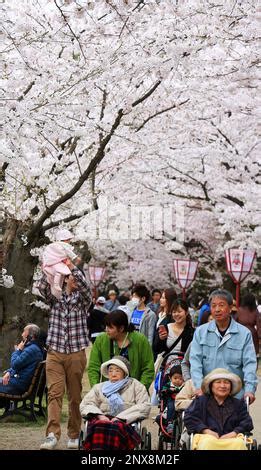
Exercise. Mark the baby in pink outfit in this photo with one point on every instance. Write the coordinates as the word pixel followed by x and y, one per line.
pixel 55 257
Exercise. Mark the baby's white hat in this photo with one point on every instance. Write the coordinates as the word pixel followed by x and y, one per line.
pixel 64 234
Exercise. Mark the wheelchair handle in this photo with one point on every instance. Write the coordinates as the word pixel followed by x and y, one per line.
pixel 247 400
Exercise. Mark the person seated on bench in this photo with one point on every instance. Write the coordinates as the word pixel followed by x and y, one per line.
pixel 28 353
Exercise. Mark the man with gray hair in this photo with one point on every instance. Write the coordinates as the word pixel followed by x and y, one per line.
pixel 223 343
pixel 28 353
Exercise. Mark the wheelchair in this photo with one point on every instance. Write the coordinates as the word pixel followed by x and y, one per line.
pixel 250 443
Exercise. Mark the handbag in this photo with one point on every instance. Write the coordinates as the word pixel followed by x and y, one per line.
pixel 161 356
pixel 158 362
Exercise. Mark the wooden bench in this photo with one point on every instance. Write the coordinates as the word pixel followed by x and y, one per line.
pixel 30 402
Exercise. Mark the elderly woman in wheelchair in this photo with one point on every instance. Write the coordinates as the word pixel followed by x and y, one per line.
pixel 112 406
pixel 217 419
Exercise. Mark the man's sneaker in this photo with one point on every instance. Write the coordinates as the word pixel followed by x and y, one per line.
pixel 49 443
pixel 73 444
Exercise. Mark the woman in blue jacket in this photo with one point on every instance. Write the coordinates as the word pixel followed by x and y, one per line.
pixel 28 353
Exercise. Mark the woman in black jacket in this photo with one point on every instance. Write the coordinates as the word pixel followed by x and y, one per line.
pixel 177 335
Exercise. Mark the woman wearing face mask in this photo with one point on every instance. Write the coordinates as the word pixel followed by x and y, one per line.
pixel 142 317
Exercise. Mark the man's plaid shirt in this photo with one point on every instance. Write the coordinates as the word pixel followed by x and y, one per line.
pixel 67 329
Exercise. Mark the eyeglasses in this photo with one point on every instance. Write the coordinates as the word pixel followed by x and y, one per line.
pixel 114 369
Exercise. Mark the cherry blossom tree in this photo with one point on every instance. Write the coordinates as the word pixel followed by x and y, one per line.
pixel 146 103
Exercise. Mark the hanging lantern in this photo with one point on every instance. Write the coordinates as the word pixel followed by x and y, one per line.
pixel 96 275
pixel 185 272
pixel 239 265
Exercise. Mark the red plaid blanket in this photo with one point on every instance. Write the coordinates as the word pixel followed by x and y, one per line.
pixel 107 435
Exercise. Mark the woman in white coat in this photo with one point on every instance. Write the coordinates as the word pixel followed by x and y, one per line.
pixel 111 406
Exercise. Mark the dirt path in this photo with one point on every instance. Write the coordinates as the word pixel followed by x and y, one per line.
pixel 19 436
pixel 28 436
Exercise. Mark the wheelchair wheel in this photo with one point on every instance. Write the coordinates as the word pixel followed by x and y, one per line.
pixel 145 439
pixel 254 445
pixel 160 444
pixel 148 441
pixel 165 444
pixel 177 434
pixel 80 445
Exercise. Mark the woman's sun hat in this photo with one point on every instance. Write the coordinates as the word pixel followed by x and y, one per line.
pixel 118 361
pixel 222 374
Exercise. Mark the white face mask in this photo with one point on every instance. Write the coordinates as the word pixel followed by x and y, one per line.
pixel 135 302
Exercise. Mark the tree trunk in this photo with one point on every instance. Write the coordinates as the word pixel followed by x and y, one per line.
pixel 17 310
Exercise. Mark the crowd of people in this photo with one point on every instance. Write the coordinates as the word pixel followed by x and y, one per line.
pixel 128 333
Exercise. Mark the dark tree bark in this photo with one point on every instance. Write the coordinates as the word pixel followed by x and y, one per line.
pixel 16 302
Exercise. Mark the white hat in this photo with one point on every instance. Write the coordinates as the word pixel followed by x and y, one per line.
pixel 112 292
pixel 64 234
pixel 101 300
pixel 119 361
pixel 222 374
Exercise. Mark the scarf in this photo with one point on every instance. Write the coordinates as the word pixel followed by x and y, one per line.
pixel 110 390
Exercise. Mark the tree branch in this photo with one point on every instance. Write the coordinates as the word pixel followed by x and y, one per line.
pixel 36 228
pixel 78 163
pixel 141 4
pixel 124 24
pixel 26 91
pixel 160 112
pixel 144 97
pixel 182 196
pixel 202 185
pixel 18 50
pixel 235 200
pixel 225 137
pixel 67 23
pixel 2 171
pixel 64 220
pixel 104 101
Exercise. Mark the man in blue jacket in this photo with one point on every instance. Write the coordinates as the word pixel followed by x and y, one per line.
pixel 223 343
pixel 28 353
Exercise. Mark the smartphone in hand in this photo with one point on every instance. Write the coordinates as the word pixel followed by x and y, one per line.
pixel 162 329
pixel 27 339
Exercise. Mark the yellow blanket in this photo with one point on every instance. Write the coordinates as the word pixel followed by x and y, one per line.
pixel 208 442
